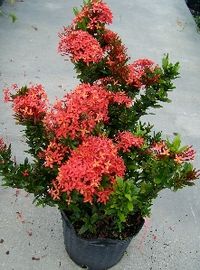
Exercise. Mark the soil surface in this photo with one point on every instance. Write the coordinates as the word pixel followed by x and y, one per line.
pixel 105 228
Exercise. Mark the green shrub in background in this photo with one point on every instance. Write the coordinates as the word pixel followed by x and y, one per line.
pixel 11 15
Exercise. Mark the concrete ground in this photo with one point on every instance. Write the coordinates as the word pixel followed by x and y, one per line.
pixel 30 237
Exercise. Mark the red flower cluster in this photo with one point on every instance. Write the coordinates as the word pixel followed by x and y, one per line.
pixel 125 140
pixel 160 149
pixel 54 154
pixel 29 103
pixel 122 98
pixel 81 110
pixel 187 155
pixel 96 14
pixel 80 46
pixel 56 120
pixel 94 160
pixel 141 73
pixel 116 55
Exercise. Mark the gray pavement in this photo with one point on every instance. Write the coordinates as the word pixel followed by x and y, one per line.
pixel 30 237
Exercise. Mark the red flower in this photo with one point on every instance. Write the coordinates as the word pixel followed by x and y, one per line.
pixel 125 140
pixel 103 196
pixel 93 160
pixel 96 13
pixel 122 98
pixel 187 155
pixel 80 46
pixel 141 73
pixel 25 173
pixel 79 112
pixel 54 154
pixel 160 149
pixel 29 103
pixel 55 192
pixel 56 119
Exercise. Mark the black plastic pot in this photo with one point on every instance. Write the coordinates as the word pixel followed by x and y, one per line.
pixel 97 254
pixel 1 2
pixel 194 6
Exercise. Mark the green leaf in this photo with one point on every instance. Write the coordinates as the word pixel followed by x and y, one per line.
pixel 145 187
pixel 120 182
pixel 165 61
pixel 130 206
pixel 188 167
pixel 177 142
pixel 83 229
pixel 132 167
pixel 128 196
pixel 86 2
pixel 13 17
pixel 26 161
pixel 121 217
pixel 76 11
pixel 157 181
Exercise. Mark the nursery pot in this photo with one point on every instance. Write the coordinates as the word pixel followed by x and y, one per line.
pixel 96 254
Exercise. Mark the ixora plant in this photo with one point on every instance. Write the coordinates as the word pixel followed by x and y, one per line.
pixel 92 155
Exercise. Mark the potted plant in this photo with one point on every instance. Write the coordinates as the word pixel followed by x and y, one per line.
pixel 92 157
